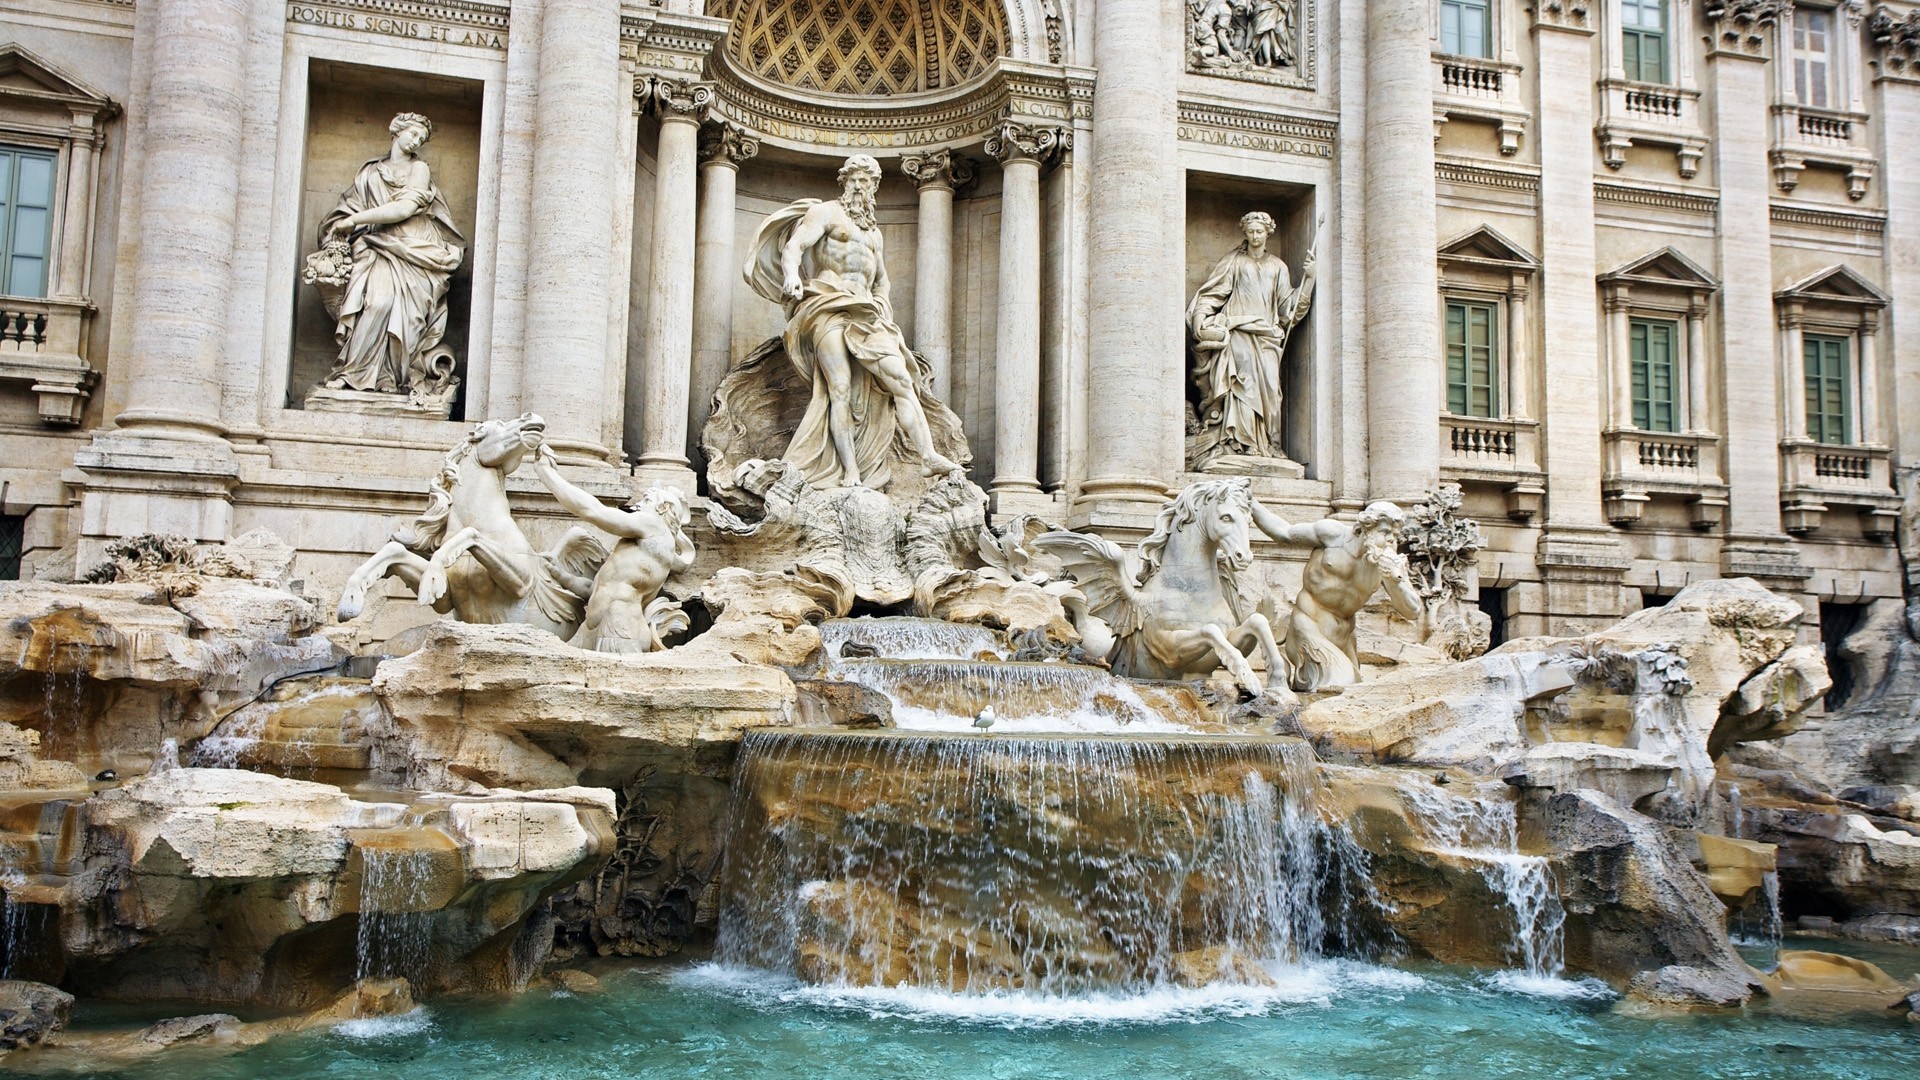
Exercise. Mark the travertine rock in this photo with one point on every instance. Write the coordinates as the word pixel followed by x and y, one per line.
pixel 1772 703
pixel 1467 714
pixel 30 1011
pixel 1849 863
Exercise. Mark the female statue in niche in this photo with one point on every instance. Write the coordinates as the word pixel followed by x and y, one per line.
pixel 1240 320
pixel 388 252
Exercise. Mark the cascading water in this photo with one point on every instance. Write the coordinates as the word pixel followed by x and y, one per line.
pixel 1483 829
pixel 396 916
pixel 13 924
pixel 1056 865
pixel 945 695
pixel 912 639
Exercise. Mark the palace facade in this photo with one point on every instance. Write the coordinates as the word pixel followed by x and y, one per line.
pixel 1641 276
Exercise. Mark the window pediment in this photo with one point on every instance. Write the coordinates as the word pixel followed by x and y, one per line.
pixel 1667 268
pixel 1485 246
pixel 1840 284
pixel 28 79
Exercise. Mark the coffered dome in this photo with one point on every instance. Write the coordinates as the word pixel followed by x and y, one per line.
pixel 864 47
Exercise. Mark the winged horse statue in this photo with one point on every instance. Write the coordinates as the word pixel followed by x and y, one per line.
pixel 1174 606
pixel 466 554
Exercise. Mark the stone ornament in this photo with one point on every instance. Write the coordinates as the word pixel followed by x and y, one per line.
pixel 1571 13
pixel 1174 605
pixel 1441 546
pixel 1351 562
pixel 1742 25
pixel 938 168
pixel 1240 320
pixel 727 142
pixel 1236 36
pixel 1015 141
pixel 674 99
pixel 467 556
pixel 387 255
pixel 824 262
pixel 1897 37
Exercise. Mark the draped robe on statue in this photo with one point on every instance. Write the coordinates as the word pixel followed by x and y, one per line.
pixel 828 305
pixel 1252 302
pixel 393 314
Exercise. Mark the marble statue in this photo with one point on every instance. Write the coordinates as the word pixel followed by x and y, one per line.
pixel 1351 562
pixel 388 252
pixel 1174 605
pixel 1241 35
pixel 1239 320
pixel 825 263
pixel 626 612
pixel 466 555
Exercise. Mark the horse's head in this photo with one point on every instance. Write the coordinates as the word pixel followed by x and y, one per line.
pixel 1221 511
pixel 503 444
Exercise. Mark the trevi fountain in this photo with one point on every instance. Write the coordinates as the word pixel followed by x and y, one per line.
pixel 783 747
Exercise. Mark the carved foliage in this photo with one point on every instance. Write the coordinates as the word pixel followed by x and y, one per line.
pixel 1015 141
pixel 674 98
pixel 1897 38
pixel 729 141
pixel 938 167
pixel 1742 25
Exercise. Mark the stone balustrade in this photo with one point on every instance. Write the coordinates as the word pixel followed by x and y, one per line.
pixel 40 344
pixel 1820 476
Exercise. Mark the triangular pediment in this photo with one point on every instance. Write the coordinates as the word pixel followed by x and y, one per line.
pixel 1667 266
pixel 1840 283
pixel 26 74
pixel 1486 245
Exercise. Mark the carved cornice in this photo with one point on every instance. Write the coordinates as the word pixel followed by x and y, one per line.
pixel 1014 141
pixel 1634 195
pixel 1865 221
pixel 1562 14
pixel 653 39
pixel 726 142
pixel 1896 39
pixel 1213 124
pixel 1460 172
pixel 938 168
pixel 674 99
pixel 1741 27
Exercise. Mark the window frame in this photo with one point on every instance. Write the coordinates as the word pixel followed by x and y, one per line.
pixel 13 156
pixel 1843 425
pixel 1635 71
pixel 1640 374
pixel 1487 32
pixel 1492 385
pixel 1802 27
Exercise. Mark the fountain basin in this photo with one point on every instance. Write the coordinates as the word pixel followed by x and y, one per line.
pixel 1051 864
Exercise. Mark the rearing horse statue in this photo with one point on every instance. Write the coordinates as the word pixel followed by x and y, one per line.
pixel 466 554
pixel 1175 607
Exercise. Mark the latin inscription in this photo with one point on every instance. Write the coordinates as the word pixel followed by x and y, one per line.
pixel 1247 140
pixel 412 29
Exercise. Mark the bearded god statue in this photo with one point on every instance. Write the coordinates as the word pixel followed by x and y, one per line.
pixel 1240 320
pixel 387 255
pixel 824 262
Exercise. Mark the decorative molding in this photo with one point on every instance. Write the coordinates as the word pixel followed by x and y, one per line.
pixel 1014 141
pixel 673 99
pixel 939 167
pixel 1897 39
pixel 1218 41
pixel 724 141
pixel 1866 221
pixel 1487 176
pixel 1742 27
pixel 1252 129
pixel 447 22
pixel 1562 14
pixel 1642 197
pixel 662 41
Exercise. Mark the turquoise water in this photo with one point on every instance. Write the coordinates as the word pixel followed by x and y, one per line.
pixel 1329 1020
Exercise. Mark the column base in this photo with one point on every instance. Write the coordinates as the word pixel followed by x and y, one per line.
pixel 649 474
pixel 131 483
pixel 1007 502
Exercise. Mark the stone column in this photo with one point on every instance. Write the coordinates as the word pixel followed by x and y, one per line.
pixel 1896 114
pixel 1619 361
pixel 74 233
pixel 1870 403
pixel 667 347
pixel 1751 378
pixel 1016 362
pixel 723 147
pixel 1133 320
pixel 568 272
pixel 189 197
pixel 939 174
pixel 1793 369
pixel 1698 419
pixel 1519 352
pixel 1404 373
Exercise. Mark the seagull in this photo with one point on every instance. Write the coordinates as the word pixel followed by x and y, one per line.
pixel 984 720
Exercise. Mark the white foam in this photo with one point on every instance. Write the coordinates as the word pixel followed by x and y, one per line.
pixel 412 1022
pixel 1312 984
pixel 1077 721
pixel 1520 982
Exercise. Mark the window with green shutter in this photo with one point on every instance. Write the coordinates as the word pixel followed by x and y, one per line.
pixel 1829 395
pixel 1643 40
pixel 1473 356
pixel 1654 362
pixel 1464 26
pixel 26 220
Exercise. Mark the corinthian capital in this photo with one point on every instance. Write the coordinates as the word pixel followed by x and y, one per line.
pixel 1016 141
pixel 1741 25
pixel 938 168
pixel 724 141
pixel 1897 39
pixel 674 99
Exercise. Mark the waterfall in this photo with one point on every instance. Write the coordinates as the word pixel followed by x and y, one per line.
pixel 1055 865
pixel 902 638
pixel 1483 829
pixel 13 924
pixel 396 920
pixel 945 695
